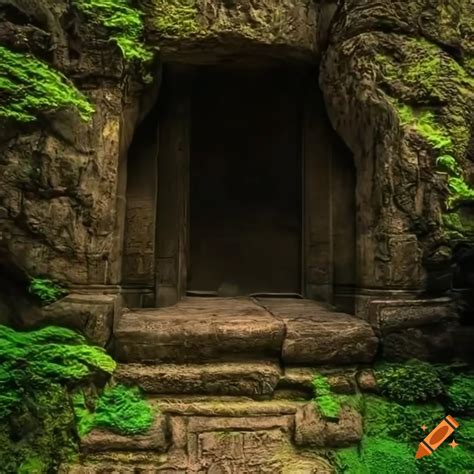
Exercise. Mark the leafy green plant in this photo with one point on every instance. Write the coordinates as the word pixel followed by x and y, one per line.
pixel 122 409
pixel 461 394
pixel 125 24
pixel 388 419
pixel 29 86
pixel 46 290
pixel 447 460
pixel 409 382
pixel 325 400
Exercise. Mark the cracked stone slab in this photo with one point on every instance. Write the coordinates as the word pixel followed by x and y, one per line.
pixel 317 335
pixel 226 378
pixel 199 330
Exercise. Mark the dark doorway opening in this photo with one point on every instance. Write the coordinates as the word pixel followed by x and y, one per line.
pixel 245 181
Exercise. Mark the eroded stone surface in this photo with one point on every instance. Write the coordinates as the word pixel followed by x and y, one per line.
pixel 316 335
pixel 92 315
pixel 312 430
pixel 228 407
pixel 198 329
pixel 272 27
pixel 229 378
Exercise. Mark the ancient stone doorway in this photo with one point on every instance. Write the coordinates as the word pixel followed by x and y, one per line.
pixel 245 191
pixel 237 181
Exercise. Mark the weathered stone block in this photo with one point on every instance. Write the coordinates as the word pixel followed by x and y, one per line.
pixel 93 315
pixel 312 430
pixel 157 439
pixel 393 315
pixel 228 378
pixel 199 329
pixel 431 343
pixel 317 335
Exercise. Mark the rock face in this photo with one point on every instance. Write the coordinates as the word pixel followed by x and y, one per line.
pixel 372 81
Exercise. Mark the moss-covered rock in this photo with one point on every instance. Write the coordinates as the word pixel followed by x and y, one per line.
pixel 124 22
pixel 37 371
pixel 120 409
pixel 29 86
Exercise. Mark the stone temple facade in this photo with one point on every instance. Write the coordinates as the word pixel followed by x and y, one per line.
pixel 268 156
pixel 271 198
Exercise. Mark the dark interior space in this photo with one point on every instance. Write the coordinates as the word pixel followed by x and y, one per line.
pixel 245 182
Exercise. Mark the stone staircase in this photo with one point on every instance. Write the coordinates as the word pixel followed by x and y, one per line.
pixel 231 382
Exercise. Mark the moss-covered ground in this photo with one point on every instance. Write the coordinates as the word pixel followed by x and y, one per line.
pixel 412 399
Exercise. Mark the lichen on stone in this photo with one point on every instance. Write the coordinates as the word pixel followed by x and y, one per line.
pixel 29 86
pixel 125 24
pixel 175 17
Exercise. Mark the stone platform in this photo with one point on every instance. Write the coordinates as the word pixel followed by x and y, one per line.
pixel 222 435
pixel 291 331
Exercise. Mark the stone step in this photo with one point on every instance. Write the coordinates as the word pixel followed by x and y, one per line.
pixel 199 329
pixel 233 329
pixel 220 378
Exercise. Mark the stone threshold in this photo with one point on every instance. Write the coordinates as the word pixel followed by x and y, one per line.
pixel 285 330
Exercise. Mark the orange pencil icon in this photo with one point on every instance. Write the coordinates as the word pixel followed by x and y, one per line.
pixel 436 438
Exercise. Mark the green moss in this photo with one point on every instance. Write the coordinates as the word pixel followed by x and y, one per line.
pixel 122 409
pixel 458 225
pixel 423 70
pixel 387 455
pixel 393 430
pixel 425 77
pixel 409 382
pixel 29 86
pixel 383 418
pixel 176 17
pixel 124 23
pixel 37 368
pixel 324 399
pixel 46 291
pixel 461 394
pixel 83 413
pixel 348 461
pixel 119 408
